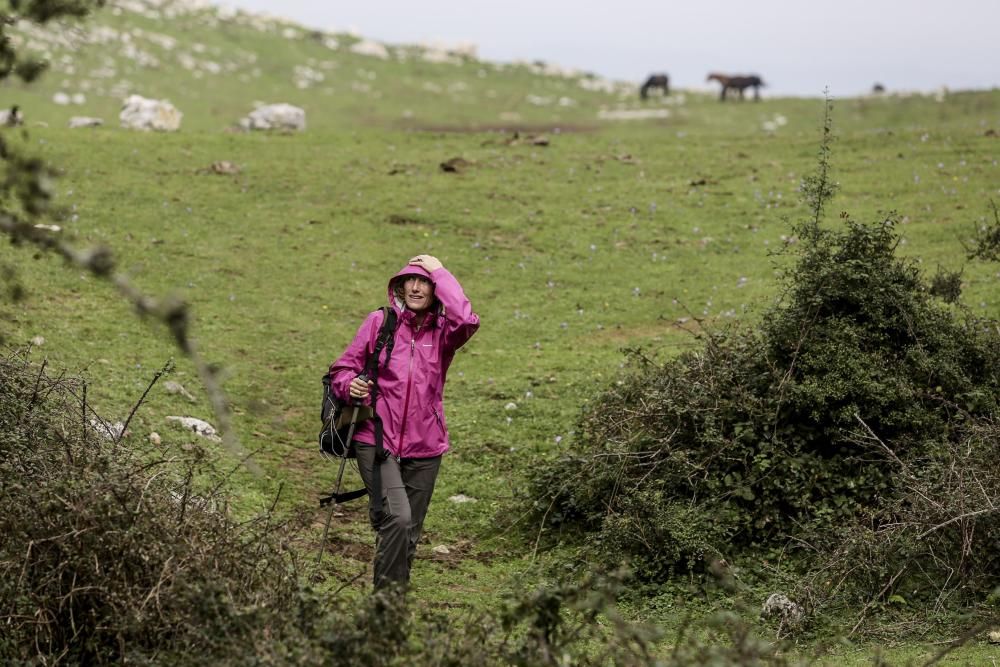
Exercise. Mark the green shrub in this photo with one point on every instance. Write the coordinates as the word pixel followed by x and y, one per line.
pixel 797 431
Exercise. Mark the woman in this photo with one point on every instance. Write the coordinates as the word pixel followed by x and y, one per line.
pixel 434 319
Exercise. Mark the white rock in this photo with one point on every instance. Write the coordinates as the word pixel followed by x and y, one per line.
pixel 441 550
pixel 461 49
pixel 510 406
pixel 598 85
pixel 107 430
pixel 61 98
pixel 200 427
pixel 632 114
pixel 177 388
pixel 48 228
pixel 275 117
pixel 140 113
pixel 367 47
pixel 788 612
pixel 38 341
pixel 994 636
pixel 155 438
pixel 85 121
pixel 440 57
pixel 460 498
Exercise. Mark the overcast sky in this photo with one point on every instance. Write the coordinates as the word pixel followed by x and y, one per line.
pixel 799 47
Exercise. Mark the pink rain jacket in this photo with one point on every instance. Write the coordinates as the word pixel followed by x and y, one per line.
pixel 411 386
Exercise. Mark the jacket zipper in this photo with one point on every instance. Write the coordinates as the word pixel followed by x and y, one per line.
pixel 406 400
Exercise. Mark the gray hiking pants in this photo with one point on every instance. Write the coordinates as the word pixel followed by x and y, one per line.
pixel 407 486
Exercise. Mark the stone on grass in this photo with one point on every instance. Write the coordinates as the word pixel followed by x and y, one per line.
pixel 177 388
pixel 224 168
pixel 367 47
pixel 108 430
pixel 275 117
pixel 781 607
pixel 455 165
pixel 198 426
pixel 85 121
pixel 141 113
pixel 460 498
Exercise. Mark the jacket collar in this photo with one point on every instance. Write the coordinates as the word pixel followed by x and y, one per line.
pixel 408 316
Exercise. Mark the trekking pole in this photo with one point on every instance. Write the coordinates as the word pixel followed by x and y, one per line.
pixel 340 477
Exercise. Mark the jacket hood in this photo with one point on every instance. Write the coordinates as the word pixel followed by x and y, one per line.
pixel 409 270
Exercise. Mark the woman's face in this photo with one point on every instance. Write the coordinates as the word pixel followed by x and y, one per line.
pixel 418 293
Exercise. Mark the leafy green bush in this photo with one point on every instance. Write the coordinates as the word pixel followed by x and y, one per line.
pixel 797 431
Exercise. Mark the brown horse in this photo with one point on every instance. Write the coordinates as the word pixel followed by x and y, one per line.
pixel 739 83
pixel 655 81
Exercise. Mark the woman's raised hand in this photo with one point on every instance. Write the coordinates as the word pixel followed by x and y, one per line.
pixel 429 262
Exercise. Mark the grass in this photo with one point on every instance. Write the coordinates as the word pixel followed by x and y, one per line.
pixel 612 236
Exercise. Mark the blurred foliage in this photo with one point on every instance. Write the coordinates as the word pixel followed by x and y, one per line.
pixel 25 180
pixel 13 63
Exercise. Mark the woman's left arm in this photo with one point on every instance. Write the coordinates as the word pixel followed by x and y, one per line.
pixel 459 320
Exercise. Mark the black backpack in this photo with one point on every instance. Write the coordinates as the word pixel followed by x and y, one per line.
pixel 335 436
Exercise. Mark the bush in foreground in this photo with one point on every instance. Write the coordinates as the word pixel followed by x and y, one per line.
pixel 109 556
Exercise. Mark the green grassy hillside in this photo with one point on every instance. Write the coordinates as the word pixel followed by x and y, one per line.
pixel 214 65
pixel 612 234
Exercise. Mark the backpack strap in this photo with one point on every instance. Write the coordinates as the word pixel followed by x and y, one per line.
pixel 386 339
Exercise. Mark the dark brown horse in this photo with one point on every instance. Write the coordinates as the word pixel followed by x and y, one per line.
pixel 655 81
pixel 739 83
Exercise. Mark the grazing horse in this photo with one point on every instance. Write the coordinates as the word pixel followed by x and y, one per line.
pixel 655 81
pixel 738 83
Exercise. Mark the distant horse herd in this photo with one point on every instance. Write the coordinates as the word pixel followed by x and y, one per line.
pixel 655 81
pixel 739 83
pixel 735 82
